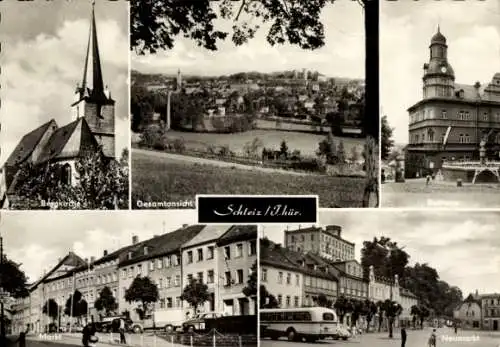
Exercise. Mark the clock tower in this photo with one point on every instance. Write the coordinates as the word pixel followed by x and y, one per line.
pixel 439 78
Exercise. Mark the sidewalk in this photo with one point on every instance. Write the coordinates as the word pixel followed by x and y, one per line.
pixel 106 340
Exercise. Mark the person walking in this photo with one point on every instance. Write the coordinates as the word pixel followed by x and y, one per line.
pixel 122 331
pixel 455 327
pixel 22 339
pixel 432 339
pixel 403 337
pixel 427 180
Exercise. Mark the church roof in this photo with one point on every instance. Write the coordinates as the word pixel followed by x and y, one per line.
pixel 27 145
pixel 69 141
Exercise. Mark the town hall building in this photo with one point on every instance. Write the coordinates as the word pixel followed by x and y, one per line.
pixel 92 129
pixel 452 121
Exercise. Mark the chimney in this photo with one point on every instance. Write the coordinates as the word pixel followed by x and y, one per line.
pixel 184 226
pixel 105 253
pixel 135 239
pixel 92 259
pixel 86 260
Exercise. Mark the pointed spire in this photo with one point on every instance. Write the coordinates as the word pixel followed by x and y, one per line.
pixel 93 62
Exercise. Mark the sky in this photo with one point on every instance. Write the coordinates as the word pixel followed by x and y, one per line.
pixel 43 52
pixel 37 242
pixel 342 56
pixel 464 247
pixel 472 30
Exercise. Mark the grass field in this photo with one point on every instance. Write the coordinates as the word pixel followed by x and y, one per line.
pixel 165 179
pixel 307 144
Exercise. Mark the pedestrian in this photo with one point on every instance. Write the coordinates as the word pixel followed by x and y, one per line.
pixel 22 339
pixel 122 331
pixel 427 180
pixel 432 339
pixel 88 335
pixel 403 336
pixel 455 327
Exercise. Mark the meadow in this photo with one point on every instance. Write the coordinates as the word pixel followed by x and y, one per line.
pixel 164 179
pixel 306 143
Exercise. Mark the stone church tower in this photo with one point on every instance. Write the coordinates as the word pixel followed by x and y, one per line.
pixel 439 78
pixel 92 100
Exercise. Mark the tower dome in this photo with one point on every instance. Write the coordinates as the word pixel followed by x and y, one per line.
pixel 438 38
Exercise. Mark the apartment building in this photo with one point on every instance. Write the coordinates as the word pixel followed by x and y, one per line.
pixel 159 259
pixel 237 252
pixel 200 261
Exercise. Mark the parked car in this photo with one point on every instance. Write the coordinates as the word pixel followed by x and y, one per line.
pixel 197 323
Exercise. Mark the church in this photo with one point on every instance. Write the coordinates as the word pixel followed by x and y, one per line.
pixel 92 129
pixel 451 121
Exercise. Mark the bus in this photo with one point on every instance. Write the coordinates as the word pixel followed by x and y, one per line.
pixel 311 323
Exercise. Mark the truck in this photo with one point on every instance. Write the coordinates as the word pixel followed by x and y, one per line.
pixel 169 320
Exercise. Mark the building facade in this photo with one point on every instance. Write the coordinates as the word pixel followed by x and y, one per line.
pixel 469 312
pixel 237 252
pixel 452 119
pixel 490 304
pixel 327 242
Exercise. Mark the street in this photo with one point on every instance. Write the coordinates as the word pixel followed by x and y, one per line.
pixel 416 338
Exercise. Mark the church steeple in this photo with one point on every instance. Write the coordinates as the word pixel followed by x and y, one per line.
pixel 92 82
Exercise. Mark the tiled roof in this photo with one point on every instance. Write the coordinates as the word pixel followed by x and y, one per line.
pixel 470 92
pixel 27 144
pixel 163 244
pixel 273 254
pixel 71 259
pixel 209 234
pixel 69 141
pixel 238 233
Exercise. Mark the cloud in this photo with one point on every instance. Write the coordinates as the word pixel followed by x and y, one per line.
pixel 472 30
pixel 40 75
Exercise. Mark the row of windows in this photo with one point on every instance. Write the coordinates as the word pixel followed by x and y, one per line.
pixel 354 292
pixel 492 312
pixel 200 256
pixel 288 301
pixel 280 278
pixel 487 302
pixel 169 282
pixel 460 115
pixel 320 283
pixel 170 303
pixel 83 282
pixel 228 277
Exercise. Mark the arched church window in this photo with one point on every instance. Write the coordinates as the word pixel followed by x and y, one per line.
pixel 66 174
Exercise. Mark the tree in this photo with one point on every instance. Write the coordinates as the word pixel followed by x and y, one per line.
pixel 343 306
pixel 250 289
pixel 252 149
pixel 267 300
pixel 13 279
pixel 51 309
pixel 76 306
pixel 284 149
pixel 387 258
pixel 106 301
pixel 371 310
pixel 386 142
pixel 141 107
pixel 328 150
pixel 391 310
pixel 142 291
pixel 156 24
pixel 195 293
pixel 102 183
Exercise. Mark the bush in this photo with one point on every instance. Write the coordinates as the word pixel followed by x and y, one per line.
pixel 179 145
